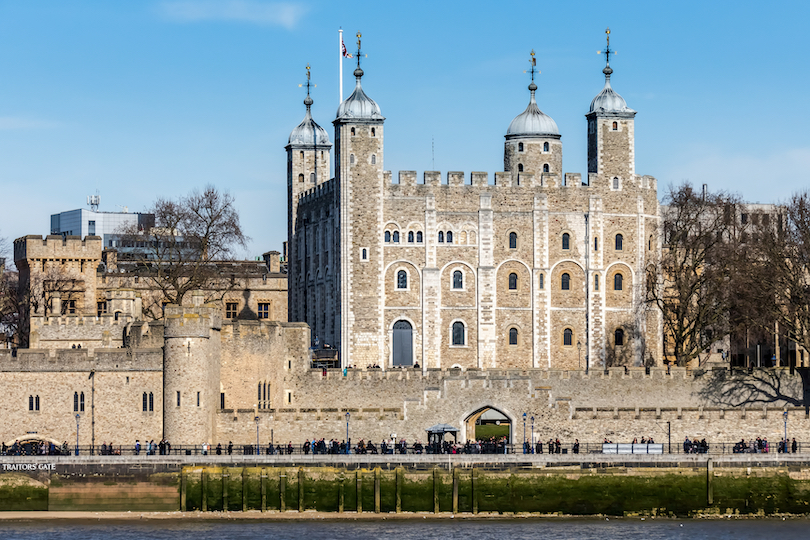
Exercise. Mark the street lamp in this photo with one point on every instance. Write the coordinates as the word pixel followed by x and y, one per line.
pixel 524 433
pixel 77 434
pixel 531 441
pixel 579 352
pixel 347 432
pixel 257 435
pixel 784 416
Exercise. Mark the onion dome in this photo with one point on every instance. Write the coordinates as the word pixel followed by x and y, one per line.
pixel 608 101
pixel 532 122
pixel 359 106
pixel 308 132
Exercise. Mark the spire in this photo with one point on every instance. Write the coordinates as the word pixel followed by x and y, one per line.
pixel 308 131
pixel 359 105
pixel 608 101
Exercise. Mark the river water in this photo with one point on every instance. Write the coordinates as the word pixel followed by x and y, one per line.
pixel 415 530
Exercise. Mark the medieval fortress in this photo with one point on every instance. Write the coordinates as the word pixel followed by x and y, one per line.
pixel 445 299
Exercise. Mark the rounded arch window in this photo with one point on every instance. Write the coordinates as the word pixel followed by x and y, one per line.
pixel 545 147
pixel 615 182
pixel 566 241
pixel 373 159
pixel 373 132
pixel 352 132
pixel 649 243
pixel 301 154
pixel 542 281
pixel 312 177
pixel 513 281
pixel 419 237
pixel 410 237
pixel 351 158
pixel 615 126
pixel 513 336
pixel 619 242
pixel 387 237
pixel 520 167
pixel 520 147
pixel 568 337
pixel 402 279
pixel 512 240
pixel 596 282
pixel 618 282
pixel 565 282
pixel 545 167
pixel 300 177
pixel 458 333
pixel 441 237
pixel 449 237
pixel 458 279
pixel 396 237
pixel 618 337
pixel 596 243
pixel 365 255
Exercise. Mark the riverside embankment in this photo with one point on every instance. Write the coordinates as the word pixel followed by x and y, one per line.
pixel 678 485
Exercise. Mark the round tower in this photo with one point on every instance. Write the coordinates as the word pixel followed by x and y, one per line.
pixel 191 354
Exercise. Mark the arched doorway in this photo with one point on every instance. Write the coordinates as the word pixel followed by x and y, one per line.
pixel 403 344
pixel 488 423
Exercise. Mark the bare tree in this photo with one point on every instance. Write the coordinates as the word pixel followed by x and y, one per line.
pixel 690 285
pixel 179 253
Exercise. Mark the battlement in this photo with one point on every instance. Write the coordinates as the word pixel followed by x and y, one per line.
pixel 321 190
pixel 107 319
pixel 56 247
pixel 67 360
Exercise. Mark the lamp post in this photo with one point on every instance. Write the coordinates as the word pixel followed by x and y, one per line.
pixel 524 433
pixel 784 416
pixel 77 434
pixel 257 435
pixel 579 352
pixel 347 431
pixel 531 441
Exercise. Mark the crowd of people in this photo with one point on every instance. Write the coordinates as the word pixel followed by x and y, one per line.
pixel 760 445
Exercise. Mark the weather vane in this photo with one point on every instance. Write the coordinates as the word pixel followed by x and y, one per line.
pixel 533 69
pixel 607 50
pixel 308 83
pixel 359 52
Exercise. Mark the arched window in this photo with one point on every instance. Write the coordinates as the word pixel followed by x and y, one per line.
pixel 75 402
pixel 373 132
pixel 81 402
pixel 545 168
pixel 615 126
pixel 596 282
pixel 568 337
pixel 352 132
pixel 151 402
pixel 449 237
pixel 566 241
pixel 312 177
pixel 618 337
pixel 619 241
pixel 565 282
pixel 520 167
pixel 365 254
pixel 351 158
pixel 512 281
pixel 402 279
pixel 617 282
pixel 458 280
pixel 513 334
pixel 458 333
pixel 145 402
pixel 410 237
pixel 512 240
pixel 541 281
pixel 30 403
pixel 301 155
pixel 259 390
pixel 545 147
pixel 520 147
pixel 301 178
pixel 596 243
pixel 419 237
pixel 615 182
pixel 649 243
pixel 396 237
pixel 441 237
pixel 373 159
pixel 387 237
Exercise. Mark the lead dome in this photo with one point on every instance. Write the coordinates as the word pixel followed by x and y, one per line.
pixel 358 105
pixel 532 122
pixel 608 100
pixel 308 131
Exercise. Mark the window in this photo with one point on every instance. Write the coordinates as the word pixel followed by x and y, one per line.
pixel 449 237
pixel 615 126
pixel 649 243
pixel 619 241
pixel 222 400
pixel 312 177
pixel 458 280
pixel 352 132
pixel 541 281
pixel 520 147
pixel 616 182
pixel 545 147
pixel 565 282
pixel 198 399
pixel 545 167
pixel 301 178
pixel 410 237
pixel 568 337
pixel 101 308
pixel 365 254
pixel 419 237
pixel 75 402
pixel 596 243
pixel 145 405
pixel 373 159
pixel 512 240
pixel 395 237
pixel 373 132
pixel 178 398
pixel 566 241
pixel 458 333
pixel 264 310
pixel 118 314
pixel 30 403
pixel 513 334
pixel 441 237
pixel 151 402
pixel 351 159
pixel 230 310
pixel 617 282
pixel 402 279
pixel 596 282
pixel 91 228
pixel 387 237
pixel 618 337
pixel 69 307
pixel 513 281
pixel 81 401
pixel 520 167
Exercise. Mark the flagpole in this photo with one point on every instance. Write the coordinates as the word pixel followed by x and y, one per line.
pixel 340 63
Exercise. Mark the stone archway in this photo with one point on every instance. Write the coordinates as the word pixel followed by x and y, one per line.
pixel 488 422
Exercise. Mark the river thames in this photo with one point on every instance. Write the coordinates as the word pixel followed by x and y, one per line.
pixel 554 529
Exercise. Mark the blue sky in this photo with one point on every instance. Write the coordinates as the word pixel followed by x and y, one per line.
pixel 150 98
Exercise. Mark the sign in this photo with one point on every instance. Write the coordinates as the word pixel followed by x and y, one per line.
pixel 29 467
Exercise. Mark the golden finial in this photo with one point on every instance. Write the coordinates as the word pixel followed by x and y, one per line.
pixel 607 50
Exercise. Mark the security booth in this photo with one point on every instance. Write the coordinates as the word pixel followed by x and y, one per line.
pixel 436 437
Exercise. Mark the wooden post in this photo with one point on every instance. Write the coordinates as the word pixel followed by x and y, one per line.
pixel 474 491
pixel 264 490
pixel 340 492
pixel 399 473
pixel 709 478
pixel 282 490
pixel 377 490
pixel 204 484
pixel 244 489
pixel 455 490
pixel 225 477
pixel 359 492
pixel 435 490
pixel 183 490
pixel 300 489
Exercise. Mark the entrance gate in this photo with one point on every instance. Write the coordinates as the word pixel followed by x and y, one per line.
pixel 403 344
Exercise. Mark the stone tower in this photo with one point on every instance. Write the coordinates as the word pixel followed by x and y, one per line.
pixel 307 167
pixel 191 368
pixel 359 174
pixel 532 141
